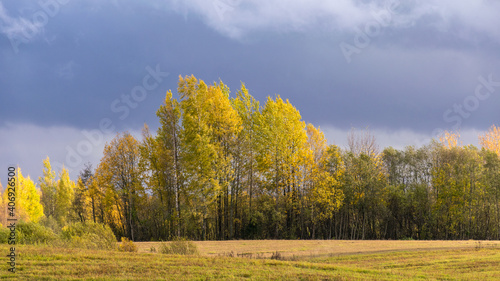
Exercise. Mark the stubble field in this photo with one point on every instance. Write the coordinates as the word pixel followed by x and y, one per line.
pixel 251 260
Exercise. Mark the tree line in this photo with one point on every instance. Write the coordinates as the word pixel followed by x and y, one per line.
pixel 222 167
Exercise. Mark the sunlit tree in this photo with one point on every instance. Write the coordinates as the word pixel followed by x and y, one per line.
pixel 48 186
pixel 491 139
pixel 28 199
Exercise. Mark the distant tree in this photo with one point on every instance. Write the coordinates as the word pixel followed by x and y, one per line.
pixel 408 192
pixel 455 179
pixel 82 199
pixel 227 168
pixel 450 139
pixel 491 201
pixel 28 199
pixel 364 188
pixel 3 206
pixel 48 186
pixel 64 198
pixel 363 142
pixel 491 139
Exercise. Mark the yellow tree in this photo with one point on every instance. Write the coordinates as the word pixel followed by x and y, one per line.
pixel 119 174
pixel 64 196
pixel 106 204
pixel 450 139
pixel 166 159
pixel 154 167
pixel 210 126
pixel 3 207
pixel 95 192
pixel 197 150
pixel 83 204
pixel 79 201
pixel 225 124
pixel 324 170
pixel 48 186
pixel 28 199
pixel 281 141
pixel 246 178
pixel 491 139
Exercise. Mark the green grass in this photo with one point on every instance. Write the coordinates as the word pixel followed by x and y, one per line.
pixel 49 263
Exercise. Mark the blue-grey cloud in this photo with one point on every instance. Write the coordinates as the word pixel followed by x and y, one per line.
pixel 408 66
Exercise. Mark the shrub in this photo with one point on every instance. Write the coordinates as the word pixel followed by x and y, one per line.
pixel 4 234
pixel 277 256
pixel 50 222
pixel 89 235
pixel 34 233
pixel 127 246
pixel 179 247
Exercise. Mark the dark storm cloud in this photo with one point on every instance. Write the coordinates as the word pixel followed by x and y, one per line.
pixel 92 58
pixel 89 54
pixel 423 59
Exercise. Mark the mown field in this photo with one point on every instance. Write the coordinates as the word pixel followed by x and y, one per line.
pixel 250 260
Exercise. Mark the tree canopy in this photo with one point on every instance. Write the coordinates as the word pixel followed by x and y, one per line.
pixel 222 167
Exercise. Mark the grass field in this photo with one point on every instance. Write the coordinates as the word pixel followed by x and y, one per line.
pixel 303 260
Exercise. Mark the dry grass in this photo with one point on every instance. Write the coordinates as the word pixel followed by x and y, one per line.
pixel 466 264
pixel 313 248
pixel 319 260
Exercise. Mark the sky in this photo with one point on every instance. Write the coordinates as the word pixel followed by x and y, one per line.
pixel 73 73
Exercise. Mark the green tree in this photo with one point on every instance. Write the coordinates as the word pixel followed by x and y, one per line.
pixel 48 186
pixel 364 188
pixel 491 210
pixel 456 173
pixel 64 198
pixel 408 197
pixel 81 198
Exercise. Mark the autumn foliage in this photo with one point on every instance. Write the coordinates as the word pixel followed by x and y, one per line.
pixel 221 167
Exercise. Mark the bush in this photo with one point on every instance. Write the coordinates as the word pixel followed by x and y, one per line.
pixel 277 256
pixel 34 233
pixel 50 222
pixel 127 246
pixel 179 247
pixel 4 234
pixel 79 235
pixel 89 235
